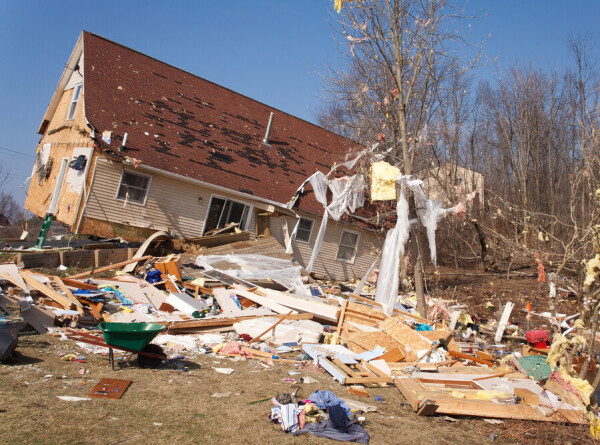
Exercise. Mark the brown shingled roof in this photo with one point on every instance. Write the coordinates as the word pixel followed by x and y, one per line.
pixel 186 125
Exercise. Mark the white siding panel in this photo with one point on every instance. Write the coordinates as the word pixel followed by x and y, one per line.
pixel 76 77
pixel 326 263
pixel 172 204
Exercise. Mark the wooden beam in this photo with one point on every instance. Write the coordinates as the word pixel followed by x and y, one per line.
pixel 271 327
pixel 47 291
pixel 110 267
pixel 470 357
pixel 69 294
pixel 79 284
pixel 12 280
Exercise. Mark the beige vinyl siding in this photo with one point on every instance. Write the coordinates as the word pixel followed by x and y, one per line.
pixel 171 205
pixel 76 76
pixel 326 263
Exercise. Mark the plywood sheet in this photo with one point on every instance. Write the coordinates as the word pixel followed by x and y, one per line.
pixel 404 334
pixel 372 340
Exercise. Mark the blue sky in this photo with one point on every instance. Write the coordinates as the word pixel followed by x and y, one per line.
pixel 272 51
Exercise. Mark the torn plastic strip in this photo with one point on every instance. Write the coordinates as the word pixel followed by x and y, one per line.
pixel 387 281
pixel 430 213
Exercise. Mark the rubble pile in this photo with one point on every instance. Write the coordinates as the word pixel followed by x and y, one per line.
pixel 267 309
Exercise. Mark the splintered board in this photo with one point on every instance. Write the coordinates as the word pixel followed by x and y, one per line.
pixel 109 389
pixel 426 399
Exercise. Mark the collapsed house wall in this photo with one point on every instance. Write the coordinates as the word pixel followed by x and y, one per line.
pixel 176 206
pixel 327 264
pixel 62 141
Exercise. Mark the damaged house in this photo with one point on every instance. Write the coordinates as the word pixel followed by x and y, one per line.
pixel 131 145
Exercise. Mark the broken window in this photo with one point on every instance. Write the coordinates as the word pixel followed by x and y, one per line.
pixel 347 248
pixel 304 230
pixel 223 212
pixel 133 187
pixel 74 100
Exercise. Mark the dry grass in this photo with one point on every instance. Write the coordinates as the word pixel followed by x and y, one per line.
pixel 182 405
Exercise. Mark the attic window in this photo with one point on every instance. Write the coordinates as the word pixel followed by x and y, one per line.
pixel 133 187
pixel 347 248
pixel 74 100
pixel 304 230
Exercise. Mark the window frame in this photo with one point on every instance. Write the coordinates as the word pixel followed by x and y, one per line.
pixel 225 198
pixel 337 256
pixel 74 101
pixel 312 226
pixel 128 200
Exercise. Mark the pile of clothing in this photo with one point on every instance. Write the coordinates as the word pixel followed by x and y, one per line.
pixel 323 414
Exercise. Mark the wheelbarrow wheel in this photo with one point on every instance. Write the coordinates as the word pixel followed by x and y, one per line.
pixel 151 362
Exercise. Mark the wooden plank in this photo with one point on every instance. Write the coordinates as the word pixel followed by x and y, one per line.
pixel 263 301
pixel 427 408
pixel 13 280
pixel 396 311
pixel 207 322
pixel 351 372
pixel 79 284
pixel 322 310
pixel 223 297
pixel 47 291
pixel 69 295
pixel 465 407
pixel 393 355
pixel 377 372
pixel 363 380
pixel 110 267
pixel 130 267
pixel 470 357
pixel 503 321
pixel 271 327
pixel 410 389
pixel 341 319
pixel 358 391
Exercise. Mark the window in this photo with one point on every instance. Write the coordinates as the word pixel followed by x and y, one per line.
pixel 133 187
pixel 347 248
pixel 304 230
pixel 222 212
pixel 74 100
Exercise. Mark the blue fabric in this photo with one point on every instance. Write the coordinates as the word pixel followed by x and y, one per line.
pixel 327 429
pixel 117 294
pixel 423 327
pixel 325 399
pixel 153 276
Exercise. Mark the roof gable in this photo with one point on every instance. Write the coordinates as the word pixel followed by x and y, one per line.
pixel 186 125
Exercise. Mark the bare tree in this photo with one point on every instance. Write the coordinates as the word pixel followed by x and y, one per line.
pixel 401 53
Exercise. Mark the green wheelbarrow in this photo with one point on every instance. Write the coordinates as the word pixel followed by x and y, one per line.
pixel 133 338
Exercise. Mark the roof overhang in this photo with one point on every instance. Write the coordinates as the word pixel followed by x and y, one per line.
pixel 267 204
pixel 66 75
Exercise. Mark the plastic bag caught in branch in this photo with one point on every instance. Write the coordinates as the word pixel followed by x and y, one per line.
pixel 430 213
pixel 387 281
